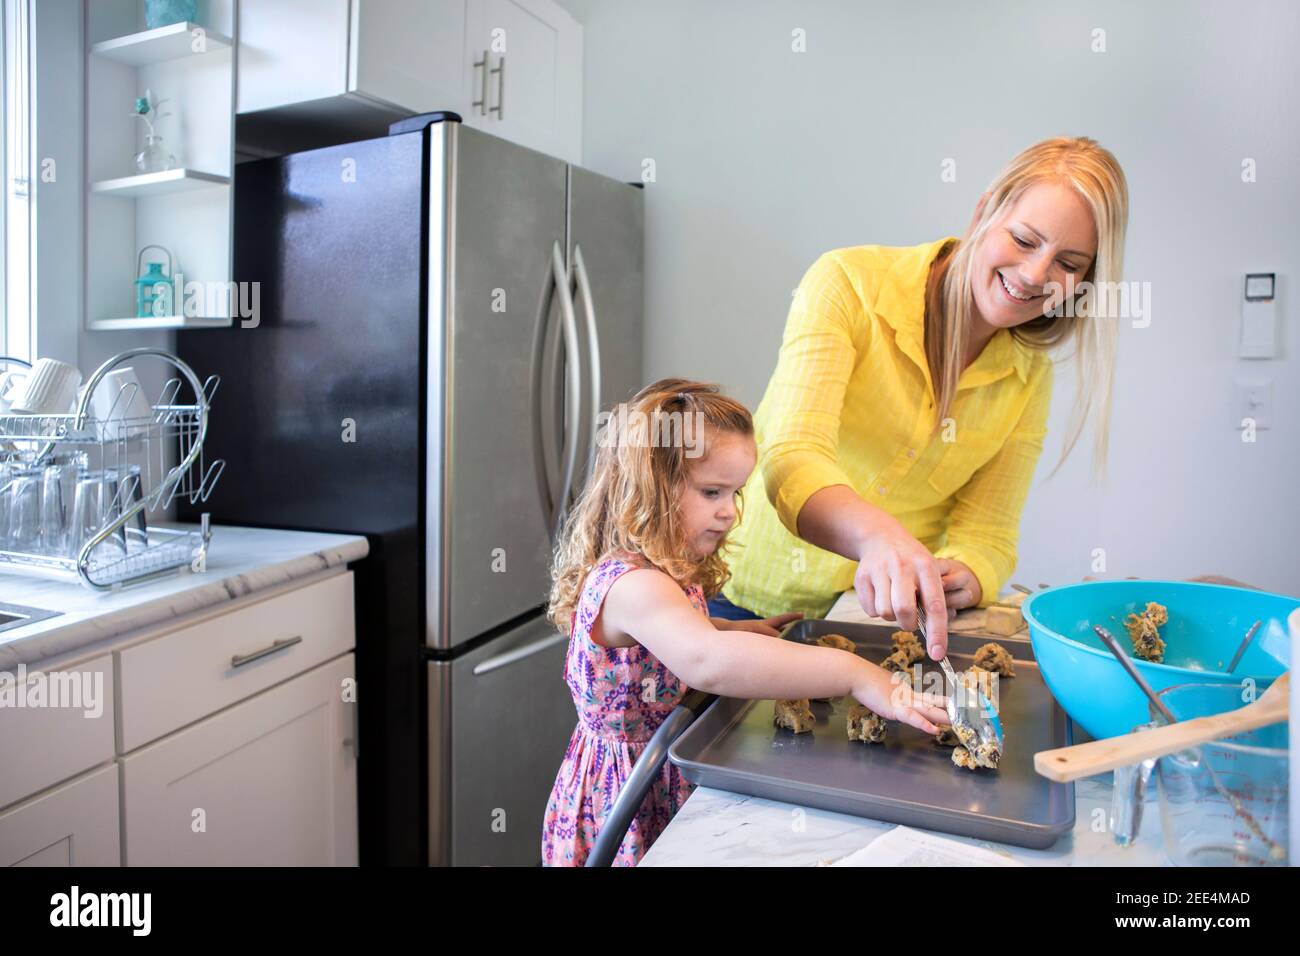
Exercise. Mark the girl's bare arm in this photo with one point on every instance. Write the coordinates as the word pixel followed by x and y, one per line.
pixel 650 607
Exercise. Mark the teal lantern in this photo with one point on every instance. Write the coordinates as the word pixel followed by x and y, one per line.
pixel 154 294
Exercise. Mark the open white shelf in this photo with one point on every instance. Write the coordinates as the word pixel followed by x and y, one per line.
pixel 171 42
pixel 188 211
pixel 158 322
pixel 158 184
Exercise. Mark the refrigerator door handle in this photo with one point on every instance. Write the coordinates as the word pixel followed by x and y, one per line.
pixel 593 337
pixel 545 479
pixel 518 654
pixel 573 372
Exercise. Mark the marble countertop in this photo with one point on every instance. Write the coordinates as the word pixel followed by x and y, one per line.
pixel 240 561
pixel 720 828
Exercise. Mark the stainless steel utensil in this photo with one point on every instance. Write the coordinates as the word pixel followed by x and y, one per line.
pixel 974 719
pixel 1245 643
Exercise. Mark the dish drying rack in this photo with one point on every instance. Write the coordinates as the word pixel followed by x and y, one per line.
pixel 115 443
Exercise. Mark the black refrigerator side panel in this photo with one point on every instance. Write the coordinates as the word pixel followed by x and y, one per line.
pixel 319 417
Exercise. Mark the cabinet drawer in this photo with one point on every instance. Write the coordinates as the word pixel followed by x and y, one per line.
pixel 190 673
pixel 69 730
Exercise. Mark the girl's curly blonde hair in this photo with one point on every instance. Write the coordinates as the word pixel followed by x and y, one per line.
pixel 630 502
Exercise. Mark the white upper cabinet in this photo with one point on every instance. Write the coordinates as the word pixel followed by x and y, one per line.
pixel 411 53
pixel 510 67
pixel 404 54
pixel 526 59
pixel 291 51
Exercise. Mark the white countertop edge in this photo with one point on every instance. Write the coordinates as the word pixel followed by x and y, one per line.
pixel 159 602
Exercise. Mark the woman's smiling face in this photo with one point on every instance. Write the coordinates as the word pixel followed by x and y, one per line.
pixel 1046 236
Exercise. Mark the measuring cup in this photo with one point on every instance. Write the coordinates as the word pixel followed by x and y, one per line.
pixel 1201 826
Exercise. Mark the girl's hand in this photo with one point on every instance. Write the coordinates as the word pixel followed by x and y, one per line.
pixel 960 586
pixel 895 699
pixel 893 567
pixel 770 626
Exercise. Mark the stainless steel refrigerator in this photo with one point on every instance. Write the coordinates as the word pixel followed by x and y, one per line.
pixel 442 315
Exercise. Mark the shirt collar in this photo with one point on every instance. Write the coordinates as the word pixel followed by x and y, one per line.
pixel 901 303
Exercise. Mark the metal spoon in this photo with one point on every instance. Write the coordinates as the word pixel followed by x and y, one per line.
pixel 974 719
pixel 1245 643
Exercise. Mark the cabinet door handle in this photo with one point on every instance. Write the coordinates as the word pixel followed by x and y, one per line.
pixel 355 740
pixel 481 102
pixel 239 660
pixel 500 71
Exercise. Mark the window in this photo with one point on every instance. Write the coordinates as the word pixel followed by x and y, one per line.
pixel 15 238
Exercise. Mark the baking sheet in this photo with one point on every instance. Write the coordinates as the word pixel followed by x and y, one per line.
pixel 908 779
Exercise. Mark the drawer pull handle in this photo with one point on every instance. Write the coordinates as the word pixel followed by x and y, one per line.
pixel 240 660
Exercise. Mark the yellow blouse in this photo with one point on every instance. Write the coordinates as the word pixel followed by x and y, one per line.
pixel 851 403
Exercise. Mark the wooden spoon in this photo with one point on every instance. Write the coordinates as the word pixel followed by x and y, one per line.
pixel 1097 756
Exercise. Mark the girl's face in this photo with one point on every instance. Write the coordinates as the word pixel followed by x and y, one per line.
pixel 713 483
pixel 1046 236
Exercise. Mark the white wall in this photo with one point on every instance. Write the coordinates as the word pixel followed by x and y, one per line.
pixel 766 158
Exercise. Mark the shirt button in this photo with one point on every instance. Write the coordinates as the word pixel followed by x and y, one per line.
pixel 882 489
pixel 911 453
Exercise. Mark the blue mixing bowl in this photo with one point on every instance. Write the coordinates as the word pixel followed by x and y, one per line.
pixel 1206 624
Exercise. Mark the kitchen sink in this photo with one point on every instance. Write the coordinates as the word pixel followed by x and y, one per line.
pixel 15 615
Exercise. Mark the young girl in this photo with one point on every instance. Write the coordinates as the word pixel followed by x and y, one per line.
pixel 639 556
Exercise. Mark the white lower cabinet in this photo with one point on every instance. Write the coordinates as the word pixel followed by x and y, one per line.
pixel 270 781
pixel 73 824
pixel 226 739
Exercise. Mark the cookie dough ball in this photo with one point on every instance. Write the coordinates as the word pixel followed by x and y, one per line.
pixel 865 724
pixel 1158 613
pixel 984 755
pixel 987 755
pixel 794 715
pixel 897 661
pixel 839 642
pixel 995 658
pixel 1143 632
pixel 908 644
pixel 947 737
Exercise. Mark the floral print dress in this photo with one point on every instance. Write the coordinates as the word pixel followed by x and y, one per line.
pixel 622 695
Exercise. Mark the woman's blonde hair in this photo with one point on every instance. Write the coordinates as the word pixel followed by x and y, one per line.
pixel 1096 176
pixel 630 502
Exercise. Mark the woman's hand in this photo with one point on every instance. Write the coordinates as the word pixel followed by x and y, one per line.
pixel 770 626
pixel 893 567
pixel 894 699
pixel 961 588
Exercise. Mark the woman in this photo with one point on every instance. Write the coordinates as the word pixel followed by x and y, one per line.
pixel 901 428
